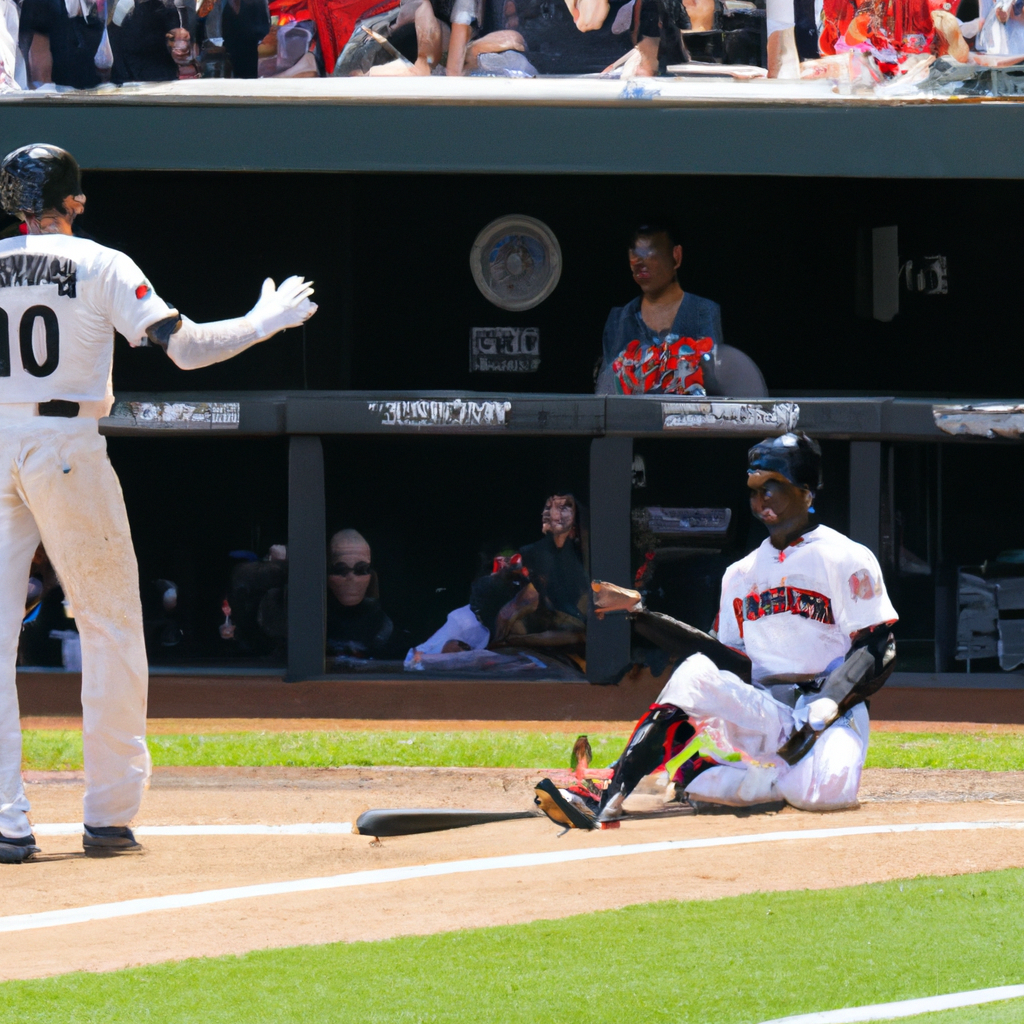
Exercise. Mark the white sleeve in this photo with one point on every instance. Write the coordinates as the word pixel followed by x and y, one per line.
pixel 196 345
pixel 861 599
pixel 728 627
pixel 130 301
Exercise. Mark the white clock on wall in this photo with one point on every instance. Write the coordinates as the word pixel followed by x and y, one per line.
pixel 516 262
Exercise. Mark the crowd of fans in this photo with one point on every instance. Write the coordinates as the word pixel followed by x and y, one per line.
pixel 81 44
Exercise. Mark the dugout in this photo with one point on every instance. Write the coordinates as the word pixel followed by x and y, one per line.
pixel 380 201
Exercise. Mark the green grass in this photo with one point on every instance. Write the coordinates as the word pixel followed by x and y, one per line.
pixel 1008 1012
pixel 739 960
pixel 63 750
pixel 993 752
pixel 54 750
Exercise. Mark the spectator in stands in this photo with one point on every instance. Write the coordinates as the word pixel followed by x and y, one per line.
pixel 144 35
pixel 243 24
pixel 444 32
pixel 62 41
pixel 669 341
pixel 357 625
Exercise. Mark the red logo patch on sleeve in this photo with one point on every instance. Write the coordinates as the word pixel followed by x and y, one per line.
pixel 142 291
pixel 862 586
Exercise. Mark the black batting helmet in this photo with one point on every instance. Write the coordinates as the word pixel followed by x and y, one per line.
pixel 793 457
pixel 37 178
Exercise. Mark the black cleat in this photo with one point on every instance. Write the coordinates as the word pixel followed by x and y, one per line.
pixel 561 811
pixel 17 851
pixel 110 839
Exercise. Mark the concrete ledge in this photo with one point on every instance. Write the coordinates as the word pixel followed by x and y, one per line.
pixel 259 697
pixel 201 697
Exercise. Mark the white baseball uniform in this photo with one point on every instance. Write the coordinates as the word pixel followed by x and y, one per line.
pixel 790 611
pixel 61 299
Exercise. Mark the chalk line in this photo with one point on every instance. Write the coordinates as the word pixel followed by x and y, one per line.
pixel 906 1007
pixel 379 876
pixel 319 828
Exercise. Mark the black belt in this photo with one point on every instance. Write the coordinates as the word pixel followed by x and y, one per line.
pixel 58 407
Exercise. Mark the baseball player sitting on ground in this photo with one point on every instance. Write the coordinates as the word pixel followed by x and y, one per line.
pixel 802 639
pixel 61 300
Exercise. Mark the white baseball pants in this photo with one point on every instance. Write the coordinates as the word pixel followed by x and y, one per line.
pixel 752 722
pixel 57 485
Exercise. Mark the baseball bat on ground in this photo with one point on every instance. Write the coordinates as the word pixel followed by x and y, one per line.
pixel 405 821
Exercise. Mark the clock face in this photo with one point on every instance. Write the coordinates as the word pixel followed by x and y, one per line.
pixel 516 262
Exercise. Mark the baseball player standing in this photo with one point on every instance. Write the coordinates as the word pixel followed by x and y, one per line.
pixel 61 300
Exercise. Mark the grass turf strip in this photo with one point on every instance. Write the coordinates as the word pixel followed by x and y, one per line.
pixel 739 960
pixel 62 750
pixel 1010 1012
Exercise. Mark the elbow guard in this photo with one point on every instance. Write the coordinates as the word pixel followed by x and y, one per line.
pixel 868 665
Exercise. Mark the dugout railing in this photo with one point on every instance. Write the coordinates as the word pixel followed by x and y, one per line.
pixel 871 427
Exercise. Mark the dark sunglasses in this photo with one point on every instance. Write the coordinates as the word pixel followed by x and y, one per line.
pixel 359 569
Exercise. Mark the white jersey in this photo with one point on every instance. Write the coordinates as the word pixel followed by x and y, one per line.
pixel 61 300
pixel 793 611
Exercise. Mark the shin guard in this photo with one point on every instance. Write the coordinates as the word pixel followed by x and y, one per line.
pixel 663 728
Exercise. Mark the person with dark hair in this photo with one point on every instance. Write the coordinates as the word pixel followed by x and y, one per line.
pixel 802 639
pixel 669 341
pixel 551 608
pixel 535 598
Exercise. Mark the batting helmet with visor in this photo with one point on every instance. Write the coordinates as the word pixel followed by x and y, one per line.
pixel 37 178
pixel 792 457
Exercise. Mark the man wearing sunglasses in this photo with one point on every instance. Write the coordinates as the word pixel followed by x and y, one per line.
pixel 357 625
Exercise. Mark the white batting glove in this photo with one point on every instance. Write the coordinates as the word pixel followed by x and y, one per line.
pixel 821 713
pixel 281 308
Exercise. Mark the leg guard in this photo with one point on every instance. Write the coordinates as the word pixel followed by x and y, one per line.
pixel 662 728
pixel 867 666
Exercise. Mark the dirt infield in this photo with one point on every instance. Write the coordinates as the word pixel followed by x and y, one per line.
pixel 62 877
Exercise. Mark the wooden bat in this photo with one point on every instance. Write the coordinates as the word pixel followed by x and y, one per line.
pixel 405 821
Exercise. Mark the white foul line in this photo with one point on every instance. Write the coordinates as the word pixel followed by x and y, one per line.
pixel 906 1008
pixel 128 908
pixel 320 828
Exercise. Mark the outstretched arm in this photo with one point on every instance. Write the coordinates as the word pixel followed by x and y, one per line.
pixel 191 345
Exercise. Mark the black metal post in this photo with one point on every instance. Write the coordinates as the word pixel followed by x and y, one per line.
pixel 307 558
pixel 866 493
pixel 611 465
